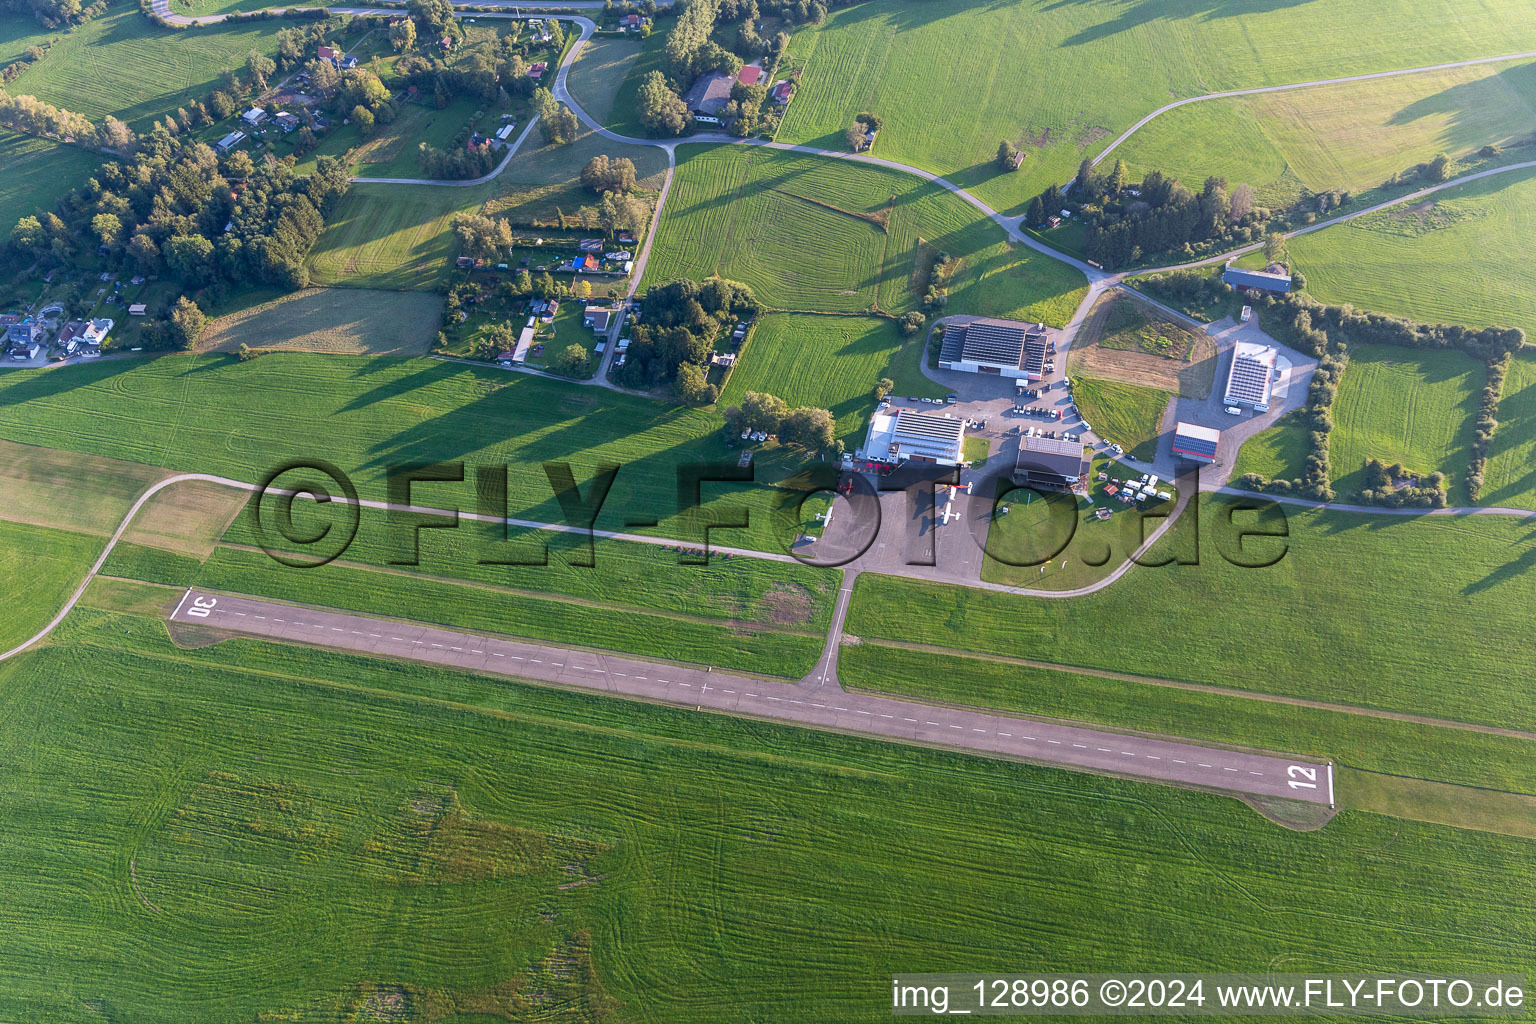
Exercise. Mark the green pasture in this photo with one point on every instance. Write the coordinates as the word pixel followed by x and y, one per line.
pixel 952 79
pixel 1350 137
pixel 829 362
pixel 1510 477
pixel 1360 741
pixel 1129 415
pixel 310 836
pixel 1458 258
pixel 41 568
pixel 392 236
pixel 38 173
pixel 812 233
pixel 1409 406
pixel 124 65
pixel 1276 453
pixel 1392 613
pixel 242 420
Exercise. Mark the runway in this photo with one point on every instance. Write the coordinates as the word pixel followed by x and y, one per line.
pixel 819 705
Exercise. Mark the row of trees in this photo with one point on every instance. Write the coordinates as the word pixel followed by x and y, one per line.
pixel 604 173
pixel 35 117
pixel 55 13
pixel 682 319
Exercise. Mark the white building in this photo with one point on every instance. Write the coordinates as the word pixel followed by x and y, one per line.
pixel 995 346
pixel 907 435
pixel 254 116
pixel 1251 375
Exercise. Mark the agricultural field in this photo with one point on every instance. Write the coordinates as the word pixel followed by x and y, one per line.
pixel 1510 478
pixel 38 173
pixel 216 414
pixel 811 233
pixel 1125 340
pixel 344 801
pixel 394 237
pixel 1129 415
pixel 124 65
pixel 350 321
pixel 605 79
pixel 1062 79
pixel 829 362
pixel 41 567
pixel 1346 137
pixel 1409 406
pixel 1341 617
pixel 1472 242
pixel 392 150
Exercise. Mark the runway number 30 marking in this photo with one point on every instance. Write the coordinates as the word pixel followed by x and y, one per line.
pixel 202 606
pixel 1298 772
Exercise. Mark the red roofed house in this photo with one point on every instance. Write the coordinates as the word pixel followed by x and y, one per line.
pixel 536 71
pixel 749 74
pixel 632 22
pixel 329 53
pixel 783 91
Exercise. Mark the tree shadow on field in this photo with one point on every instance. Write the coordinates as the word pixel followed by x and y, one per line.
pixel 1137 13
pixel 1467 105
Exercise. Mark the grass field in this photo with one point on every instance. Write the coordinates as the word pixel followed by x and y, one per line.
pixel 69 490
pixel 41 568
pixel 38 173
pixel 830 362
pixel 1453 756
pixel 216 414
pixel 811 233
pixel 1350 137
pixel 1404 405
pixel 1129 415
pixel 1128 341
pixel 1342 617
pixel 1471 243
pixel 1061 78
pixel 1278 453
pixel 311 836
pixel 607 63
pixel 122 64
pixel 392 236
pixel 349 321
pixel 1510 478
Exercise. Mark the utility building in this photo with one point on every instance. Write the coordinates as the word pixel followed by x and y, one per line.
pixel 911 436
pixel 1196 443
pixel 1251 375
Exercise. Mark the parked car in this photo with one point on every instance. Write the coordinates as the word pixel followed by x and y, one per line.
pixel 951 399
pixel 1233 410
pixel 1117 449
pixel 1247 314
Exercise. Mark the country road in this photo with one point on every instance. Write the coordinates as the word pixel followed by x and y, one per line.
pixel 813 703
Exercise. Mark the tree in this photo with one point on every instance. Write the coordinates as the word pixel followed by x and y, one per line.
pixel 238 164
pixel 662 111
pixel 1035 216
pixel 189 257
pixel 402 35
pixel 582 289
pixel 1084 179
pixel 693 385
pixel 1438 169
pixel 185 323
pixel 763 412
pixel 144 253
pixel 522 282
pixel 434 16
pixel 812 429
pixel 605 174
pixel 363 118
pixel 884 386
pixel 912 323
pixel 1007 156
pixel 571 361
pixel 559 125
pixel 856 134
pixel 1242 203
pixel 108 227
pixel 1119 178
pixel 259 67
pixel 1274 247
pixel 322 75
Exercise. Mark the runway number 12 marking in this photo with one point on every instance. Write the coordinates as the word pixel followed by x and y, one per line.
pixel 1297 772
pixel 203 606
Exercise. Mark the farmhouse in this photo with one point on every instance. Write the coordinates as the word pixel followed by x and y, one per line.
pixel 911 436
pixel 1276 278
pixel 1196 443
pixel 230 141
pixel 1050 464
pixel 709 93
pixel 1248 381
pixel 994 346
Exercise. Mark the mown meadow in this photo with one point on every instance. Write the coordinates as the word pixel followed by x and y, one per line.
pixel 813 233
pixel 311 836
pixel 1393 613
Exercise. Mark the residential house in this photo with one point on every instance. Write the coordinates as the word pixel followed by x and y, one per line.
pixel 230 141
pixel 329 53
pixel 536 71
pixel 709 94
pixel 597 318
pixel 287 121
pixel 24 332
pixel 782 92
pixel 254 116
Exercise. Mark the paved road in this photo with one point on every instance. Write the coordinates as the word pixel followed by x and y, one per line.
pixel 809 704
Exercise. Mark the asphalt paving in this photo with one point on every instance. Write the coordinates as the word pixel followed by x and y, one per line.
pixel 816 702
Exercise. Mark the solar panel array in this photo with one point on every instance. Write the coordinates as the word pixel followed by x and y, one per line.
pixel 988 341
pixel 1249 380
